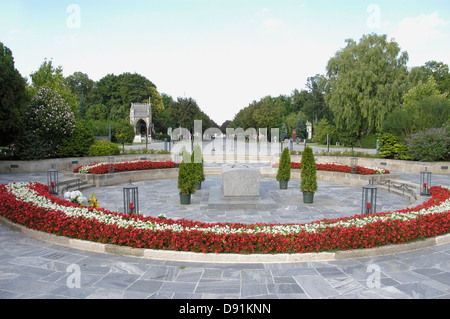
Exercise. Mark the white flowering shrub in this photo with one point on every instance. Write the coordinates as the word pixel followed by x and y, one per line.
pixel 48 120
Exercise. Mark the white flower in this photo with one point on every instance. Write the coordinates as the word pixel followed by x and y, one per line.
pixel 25 193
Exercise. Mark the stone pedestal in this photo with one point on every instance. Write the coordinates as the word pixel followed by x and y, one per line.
pixel 240 180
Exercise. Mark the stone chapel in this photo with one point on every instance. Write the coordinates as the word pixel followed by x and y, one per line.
pixel 141 120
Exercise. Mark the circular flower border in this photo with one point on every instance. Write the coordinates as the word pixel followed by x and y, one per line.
pixel 31 205
pixel 103 168
pixel 342 168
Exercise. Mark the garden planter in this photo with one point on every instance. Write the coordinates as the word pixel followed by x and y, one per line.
pixel 308 198
pixel 284 184
pixel 185 199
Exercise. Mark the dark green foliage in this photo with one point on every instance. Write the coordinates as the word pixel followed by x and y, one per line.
pixel 284 170
pixel 124 132
pixel 12 97
pixel 284 134
pixel 78 144
pixel 430 145
pixel 300 128
pixel 103 148
pixel 187 180
pixel 32 147
pixel 197 162
pixel 369 141
pixel 308 176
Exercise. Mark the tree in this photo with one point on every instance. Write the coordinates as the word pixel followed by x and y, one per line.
pixel 12 97
pixel 80 85
pixel 424 107
pixel 283 134
pixel 124 133
pixel 439 70
pixel 315 105
pixel 322 129
pixel 117 92
pixel 156 101
pixel 96 112
pixel 78 143
pixel 50 77
pixel 365 82
pixel 300 128
pixel 48 120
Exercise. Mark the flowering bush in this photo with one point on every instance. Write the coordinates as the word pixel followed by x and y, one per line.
pixel 48 120
pixel 338 167
pixel 431 145
pixel 103 168
pixel 31 205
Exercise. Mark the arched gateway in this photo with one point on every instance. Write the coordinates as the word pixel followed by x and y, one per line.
pixel 141 119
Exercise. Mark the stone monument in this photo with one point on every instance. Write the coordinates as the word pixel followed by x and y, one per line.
pixel 240 180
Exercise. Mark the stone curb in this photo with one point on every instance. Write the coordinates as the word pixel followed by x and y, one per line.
pixel 223 258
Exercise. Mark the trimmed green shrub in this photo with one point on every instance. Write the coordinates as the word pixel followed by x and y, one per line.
pixel 284 170
pixel 308 175
pixel 103 148
pixel 391 147
pixel 187 180
pixel 197 162
pixel 430 145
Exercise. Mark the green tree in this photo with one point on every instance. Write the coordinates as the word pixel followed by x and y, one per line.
pixel 283 133
pixel 322 129
pixel 424 107
pixel 315 105
pixel 96 112
pixel 439 70
pixel 124 132
pixel 49 76
pixel 12 97
pixel 365 82
pixel 300 128
pixel 78 143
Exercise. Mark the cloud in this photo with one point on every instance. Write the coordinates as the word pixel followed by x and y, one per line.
pixel 416 32
pixel 272 24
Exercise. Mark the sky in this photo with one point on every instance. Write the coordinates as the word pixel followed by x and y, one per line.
pixel 225 54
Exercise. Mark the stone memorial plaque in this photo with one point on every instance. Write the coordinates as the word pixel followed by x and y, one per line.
pixel 240 180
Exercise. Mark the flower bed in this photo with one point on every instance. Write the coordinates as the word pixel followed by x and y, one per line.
pixel 103 168
pixel 31 205
pixel 338 167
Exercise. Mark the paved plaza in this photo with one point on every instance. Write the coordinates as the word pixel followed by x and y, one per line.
pixel 30 268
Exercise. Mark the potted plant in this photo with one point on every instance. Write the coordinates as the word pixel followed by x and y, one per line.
pixel 187 180
pixel 284 170
pixel 197 162
pixel 308 183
